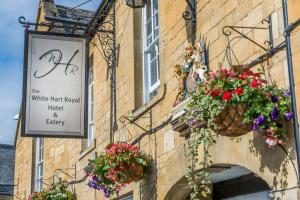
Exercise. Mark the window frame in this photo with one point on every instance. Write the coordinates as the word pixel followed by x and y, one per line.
pixel 90 118
pixel 125 197
pixel 153 46
pixel 39 164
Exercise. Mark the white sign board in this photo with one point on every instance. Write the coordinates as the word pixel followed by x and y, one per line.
pixel 54 96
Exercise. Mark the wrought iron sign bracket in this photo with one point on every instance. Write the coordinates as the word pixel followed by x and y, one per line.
pixel 269 51
pixel 191 13
pixel 126 120
pixel 63 171
pixel 51 24
pixel 103 26
pixel 227 31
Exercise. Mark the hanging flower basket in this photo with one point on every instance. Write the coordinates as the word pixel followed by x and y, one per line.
pixel 230 121
pixel 230 102
pixel 243 100
pixel 119 165
pixel 134 173
pixel 58 191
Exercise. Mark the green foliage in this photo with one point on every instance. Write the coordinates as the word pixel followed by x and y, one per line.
pixel 56 192
pixel 119 165
pixel 267 107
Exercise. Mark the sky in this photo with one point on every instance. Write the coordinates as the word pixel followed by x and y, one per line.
pixel 11 57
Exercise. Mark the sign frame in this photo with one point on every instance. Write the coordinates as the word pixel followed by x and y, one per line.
pixel 25 81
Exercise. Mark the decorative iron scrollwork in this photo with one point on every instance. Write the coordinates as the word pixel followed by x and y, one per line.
pixel 228 32
pixel 191 13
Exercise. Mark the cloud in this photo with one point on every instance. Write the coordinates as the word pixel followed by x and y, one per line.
pixel 11 57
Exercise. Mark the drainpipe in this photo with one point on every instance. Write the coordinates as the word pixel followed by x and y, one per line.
pixel 291 82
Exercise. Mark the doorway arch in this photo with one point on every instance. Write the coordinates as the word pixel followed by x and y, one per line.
pixel 229 182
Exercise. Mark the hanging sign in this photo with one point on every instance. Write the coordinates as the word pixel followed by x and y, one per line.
pixel 54 93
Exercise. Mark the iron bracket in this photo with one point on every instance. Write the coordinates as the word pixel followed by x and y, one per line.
pixel 269 51
pixel 237 29
pixel 292 26
pixel 191 13
pixel 126 120
pixel 51 24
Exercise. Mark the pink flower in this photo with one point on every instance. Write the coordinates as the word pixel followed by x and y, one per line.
pixel 271 142
pixel 230 73
pixel 224 70
pixel 280 142
pixel 212 74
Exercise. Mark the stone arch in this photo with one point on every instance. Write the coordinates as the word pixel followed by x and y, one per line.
pixel 273 166
pixel 223 175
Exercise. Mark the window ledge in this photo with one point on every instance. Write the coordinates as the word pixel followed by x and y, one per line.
pixel 87 150
pixel 147 106
pixel 177 124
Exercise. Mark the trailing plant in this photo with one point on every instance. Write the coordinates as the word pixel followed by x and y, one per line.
pixel 266 107
pixel 58 191
pixel 119 165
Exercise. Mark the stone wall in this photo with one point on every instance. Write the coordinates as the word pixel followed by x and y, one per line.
pixel 166 146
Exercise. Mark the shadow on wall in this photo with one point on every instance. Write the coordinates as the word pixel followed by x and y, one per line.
pixel 276 160
pixel 191 29
pixel 148 187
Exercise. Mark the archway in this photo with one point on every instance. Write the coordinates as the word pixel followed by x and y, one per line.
pixel 230 182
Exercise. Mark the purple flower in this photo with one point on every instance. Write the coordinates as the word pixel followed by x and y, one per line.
pixel 106 192
pixel 287 93
pixel 288 116
pixel 95 178
pixel 255 127
pixel 259 120
pixel 192 122
pixel 92 184
pixel 274 99
pixel 274 114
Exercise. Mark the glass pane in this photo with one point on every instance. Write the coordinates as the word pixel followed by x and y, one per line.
pixel 153 72
pixel 148 10
pixel 90 134
pixel 127 198
pixel 155 6
pixel 92 102
pixel 155 26
pixel 41 169
pixel 91 76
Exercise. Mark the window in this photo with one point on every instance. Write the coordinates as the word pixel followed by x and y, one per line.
pixel 39 164
pixel 151 49
pixel 130 197
pixel 90 102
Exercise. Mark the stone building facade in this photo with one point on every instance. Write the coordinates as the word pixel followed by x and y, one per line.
pixel 246 164
pixel 7 165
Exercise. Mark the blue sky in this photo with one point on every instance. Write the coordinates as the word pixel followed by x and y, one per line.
pixel 11 57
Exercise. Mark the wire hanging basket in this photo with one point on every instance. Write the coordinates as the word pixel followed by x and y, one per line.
pixel 230 121
pixel 134 173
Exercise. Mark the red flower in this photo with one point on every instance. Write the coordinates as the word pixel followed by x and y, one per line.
pixel 239 91
pixel 248 72
pixel 256 74
pixel 215 92
pixel 242 76
pixel 254 84
pixel 227 95
pixel 122 168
